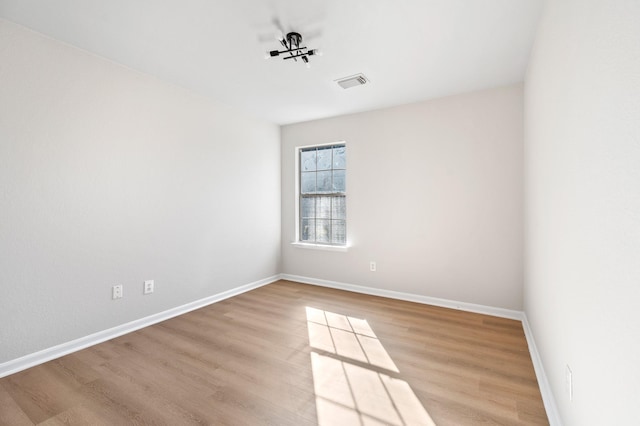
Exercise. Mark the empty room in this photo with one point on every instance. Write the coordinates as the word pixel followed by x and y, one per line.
pixel 320 212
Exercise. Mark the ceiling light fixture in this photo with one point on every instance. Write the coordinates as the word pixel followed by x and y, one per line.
pixel 293 49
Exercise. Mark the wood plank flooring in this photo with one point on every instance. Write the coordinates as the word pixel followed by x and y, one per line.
pixel 291 354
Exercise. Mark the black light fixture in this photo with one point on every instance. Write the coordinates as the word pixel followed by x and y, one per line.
pixel 293 49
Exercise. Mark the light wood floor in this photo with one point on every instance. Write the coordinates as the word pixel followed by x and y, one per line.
pixel 291 354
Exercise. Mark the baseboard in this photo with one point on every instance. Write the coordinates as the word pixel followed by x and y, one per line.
pixel 545 388
pixel 27 361
pixel 445 303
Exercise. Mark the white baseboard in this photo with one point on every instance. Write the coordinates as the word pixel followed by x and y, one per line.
pixel 27 361
pixel 545 388
pixel 391 294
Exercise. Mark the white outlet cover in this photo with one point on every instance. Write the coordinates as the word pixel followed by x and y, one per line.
pixel 149 286
pixel 117 292
pixel 569 383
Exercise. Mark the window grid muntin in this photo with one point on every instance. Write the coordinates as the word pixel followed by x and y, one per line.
pixel 336 227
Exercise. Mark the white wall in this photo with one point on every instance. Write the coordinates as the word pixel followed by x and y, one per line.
pixel 111 176
pixel 434 197
pixel 582 162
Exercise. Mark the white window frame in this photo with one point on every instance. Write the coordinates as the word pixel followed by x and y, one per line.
pixel 298 242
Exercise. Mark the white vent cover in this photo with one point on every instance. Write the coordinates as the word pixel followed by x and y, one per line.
pixel 352 81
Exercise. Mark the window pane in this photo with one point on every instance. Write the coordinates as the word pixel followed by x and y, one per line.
pixel 339 208
pixel 324 158
pixel 308 230
pixel 323 231
pixel 324 181
pixel 324 208
pixel 339 232
pixel 308 182
pixel 339 158
pixel 308 207
pixel 308 161
pixel 339 183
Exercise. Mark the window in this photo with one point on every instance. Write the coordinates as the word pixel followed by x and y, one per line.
pixel 322 197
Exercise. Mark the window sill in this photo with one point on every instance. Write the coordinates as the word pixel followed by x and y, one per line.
pixel 320 247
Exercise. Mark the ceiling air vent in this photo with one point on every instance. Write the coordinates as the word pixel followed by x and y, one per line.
pixel 352 81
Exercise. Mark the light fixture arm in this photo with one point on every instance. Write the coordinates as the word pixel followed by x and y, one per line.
pixel 292 56
pixel 296 50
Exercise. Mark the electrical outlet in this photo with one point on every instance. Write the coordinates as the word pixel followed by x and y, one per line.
pixel 569 382
pixel 372 266
pixel 148 287
pixel 117 292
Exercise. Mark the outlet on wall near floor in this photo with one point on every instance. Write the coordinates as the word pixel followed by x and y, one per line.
pixel 569 383
pixel 148 287
pixel 372 266
pixel 117 292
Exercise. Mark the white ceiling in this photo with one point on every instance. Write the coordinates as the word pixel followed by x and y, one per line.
pixel 411 50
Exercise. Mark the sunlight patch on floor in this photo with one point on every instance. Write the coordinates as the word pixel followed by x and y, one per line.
pixel 353 375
